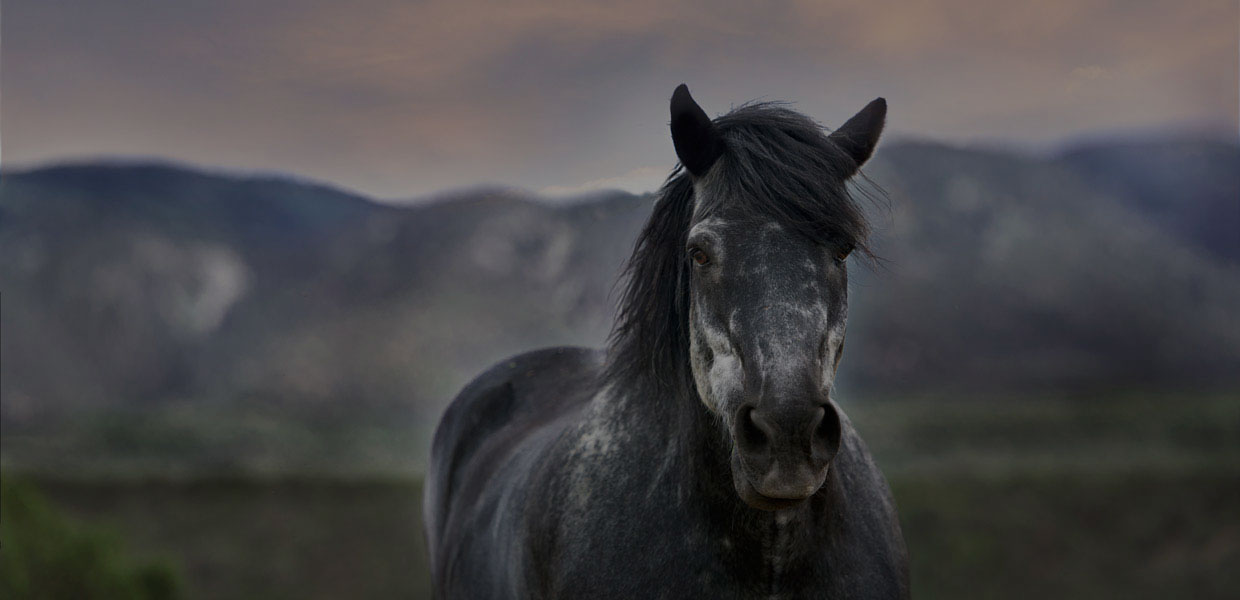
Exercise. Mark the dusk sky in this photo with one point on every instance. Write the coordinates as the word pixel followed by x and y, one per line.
pixel 398 99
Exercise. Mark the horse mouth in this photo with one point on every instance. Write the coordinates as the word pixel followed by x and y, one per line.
pixel 761 502
pixel 750 495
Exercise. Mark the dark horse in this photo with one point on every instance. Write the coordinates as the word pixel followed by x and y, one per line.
pixel 701 455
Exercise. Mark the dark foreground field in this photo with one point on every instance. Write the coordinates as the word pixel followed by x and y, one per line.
pixel 1133 535
pixel 1123 498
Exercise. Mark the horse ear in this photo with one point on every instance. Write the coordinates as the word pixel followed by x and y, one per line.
pixel 859 135
pixel 697 142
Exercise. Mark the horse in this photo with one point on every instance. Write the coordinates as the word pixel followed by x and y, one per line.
pixel 701 454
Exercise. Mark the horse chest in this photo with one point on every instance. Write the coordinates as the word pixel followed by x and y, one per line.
pixel 674 554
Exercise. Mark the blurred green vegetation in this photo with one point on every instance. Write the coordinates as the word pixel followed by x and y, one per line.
pixel 251 537
pixel 1136 534
pixel 1113 496
pixel 185 439
pixel 47 555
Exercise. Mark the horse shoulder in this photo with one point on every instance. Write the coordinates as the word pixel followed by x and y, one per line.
pixel 490 418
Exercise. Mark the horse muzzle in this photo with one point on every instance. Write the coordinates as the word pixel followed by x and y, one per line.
pixel 781 458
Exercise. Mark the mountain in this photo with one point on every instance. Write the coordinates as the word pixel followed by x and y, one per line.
pixel 179 315
pixel 1006 272
pixel 1189 186
pixel 117 277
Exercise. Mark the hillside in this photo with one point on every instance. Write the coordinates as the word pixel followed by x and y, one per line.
pixel 197 319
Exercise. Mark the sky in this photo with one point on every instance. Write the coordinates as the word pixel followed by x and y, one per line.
pixel 400 99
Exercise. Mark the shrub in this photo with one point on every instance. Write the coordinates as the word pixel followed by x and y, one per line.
pixel 47 555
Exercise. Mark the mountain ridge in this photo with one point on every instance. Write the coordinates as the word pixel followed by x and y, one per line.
pixel 172 292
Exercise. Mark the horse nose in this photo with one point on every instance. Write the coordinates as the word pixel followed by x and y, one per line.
pixel 804 430
pixel 785 449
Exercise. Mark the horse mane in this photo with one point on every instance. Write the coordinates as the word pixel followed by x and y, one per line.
pixel 776 163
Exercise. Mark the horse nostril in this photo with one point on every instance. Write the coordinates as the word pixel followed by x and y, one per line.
pixel 752 434
pixel 826 428
pixel 815 423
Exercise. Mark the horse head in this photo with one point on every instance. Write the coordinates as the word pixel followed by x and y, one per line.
pixel 765 249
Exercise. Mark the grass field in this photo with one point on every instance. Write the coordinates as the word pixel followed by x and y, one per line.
pixel 1136 535
pixel 1124 497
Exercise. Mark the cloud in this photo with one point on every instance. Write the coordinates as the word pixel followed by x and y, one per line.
pixel 402 99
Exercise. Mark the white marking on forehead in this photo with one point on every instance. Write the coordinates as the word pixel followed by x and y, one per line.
pixel 707 224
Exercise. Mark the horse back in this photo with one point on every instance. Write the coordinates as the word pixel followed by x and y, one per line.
pixel 492 415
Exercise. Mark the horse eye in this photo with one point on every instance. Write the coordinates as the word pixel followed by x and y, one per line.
pixel 698 256
pixel 842 254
